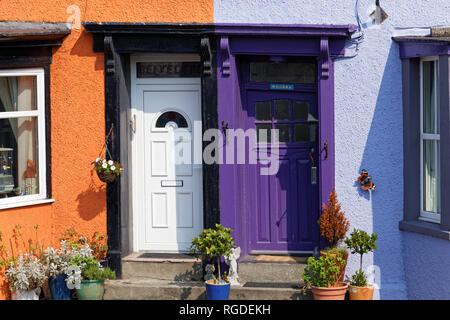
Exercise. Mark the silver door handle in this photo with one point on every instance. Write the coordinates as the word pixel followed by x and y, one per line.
pixel 133 124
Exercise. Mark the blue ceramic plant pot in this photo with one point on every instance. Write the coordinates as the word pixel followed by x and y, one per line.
pixel 217 291
pixel 59 288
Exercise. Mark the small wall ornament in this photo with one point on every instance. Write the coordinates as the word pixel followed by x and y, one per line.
pixel 366 181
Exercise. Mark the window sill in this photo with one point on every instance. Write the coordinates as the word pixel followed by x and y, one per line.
pixel 426 228
pixel 25 204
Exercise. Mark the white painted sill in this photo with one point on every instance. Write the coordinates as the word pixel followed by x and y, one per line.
pixel 25 203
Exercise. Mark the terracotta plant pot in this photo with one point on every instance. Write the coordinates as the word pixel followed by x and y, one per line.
pixel 344 257
pixel 333 293
pixel 360 293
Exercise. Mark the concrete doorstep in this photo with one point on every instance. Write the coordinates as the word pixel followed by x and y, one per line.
pixel 179 277
pixel 150 289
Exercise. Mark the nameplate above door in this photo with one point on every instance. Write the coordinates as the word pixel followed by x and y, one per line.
pixel 281 86
pixel 168 69
pixel 171 183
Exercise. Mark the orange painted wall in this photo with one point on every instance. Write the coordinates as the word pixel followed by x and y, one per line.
pixel 77 110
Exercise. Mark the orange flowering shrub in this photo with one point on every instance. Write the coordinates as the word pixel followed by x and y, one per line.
pixel 332 223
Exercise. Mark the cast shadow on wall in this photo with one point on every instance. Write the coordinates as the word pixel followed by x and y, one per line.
pixel 383 159
pixel 92 201
pixel 83 47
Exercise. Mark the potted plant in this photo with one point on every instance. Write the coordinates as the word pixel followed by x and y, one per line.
pixel 25 275
pixel 57 262
pixel 333 227
pixel 107 170
pixel 322 276
pixel 87 276
pixel 361 243
pixel 210 244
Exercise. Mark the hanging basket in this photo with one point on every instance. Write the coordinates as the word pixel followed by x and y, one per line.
pixel 101 163
pixel 107 177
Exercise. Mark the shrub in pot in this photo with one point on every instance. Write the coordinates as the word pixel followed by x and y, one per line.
pixel 213 244
pixel 322 276
pixel 25 275
pixel 361 243
pixel 333 227
pixel 88 277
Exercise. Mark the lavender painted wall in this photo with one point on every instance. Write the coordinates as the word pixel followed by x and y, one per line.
pixel 368 129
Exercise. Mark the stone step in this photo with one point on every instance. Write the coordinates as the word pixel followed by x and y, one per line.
pixel 151 289
pixel 172 267
pixel 251 269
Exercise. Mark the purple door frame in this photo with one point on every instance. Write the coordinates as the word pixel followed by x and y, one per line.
pixel 323 42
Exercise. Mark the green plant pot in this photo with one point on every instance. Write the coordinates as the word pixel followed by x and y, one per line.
pixel 91 290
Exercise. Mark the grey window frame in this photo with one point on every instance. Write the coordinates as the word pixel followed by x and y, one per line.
pixel 411 147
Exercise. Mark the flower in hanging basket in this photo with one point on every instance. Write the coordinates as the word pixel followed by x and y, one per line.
pixel 107 170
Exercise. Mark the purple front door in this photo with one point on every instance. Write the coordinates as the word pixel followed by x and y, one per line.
pixel 283 208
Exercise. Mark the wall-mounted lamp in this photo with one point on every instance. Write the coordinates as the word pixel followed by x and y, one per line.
pixel 379 15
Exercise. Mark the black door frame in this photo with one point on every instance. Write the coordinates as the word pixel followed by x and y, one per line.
pixel 117 41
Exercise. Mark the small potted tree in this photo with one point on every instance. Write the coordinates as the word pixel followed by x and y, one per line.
pixel 210 244
pixel 333 227
pixel 361 243
pixel 322 276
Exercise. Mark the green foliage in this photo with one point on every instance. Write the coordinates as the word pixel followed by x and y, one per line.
pixel 361 243
pixel 83 262
pixel 97 242
pixel 323 272
pixel 92 272
pixel 359 279
pixel 213 243
pixel 341 251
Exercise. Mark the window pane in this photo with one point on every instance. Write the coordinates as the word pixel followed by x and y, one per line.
pixel 429 97
pixel 301 132
pixel 438 109
pixel 287 72
pixel 284 132
pixel 438 176
pixel 282 110
pixel 263 131
pixel 263 110
pixel 430 179
pixel 171 116
pixel 18 157
pixel 301 110
pixel 17 94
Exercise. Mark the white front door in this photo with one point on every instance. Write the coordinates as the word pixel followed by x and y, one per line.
pixel 168 180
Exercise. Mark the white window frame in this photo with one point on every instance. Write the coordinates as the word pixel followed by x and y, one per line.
pixel 426 215
pixel 39 114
